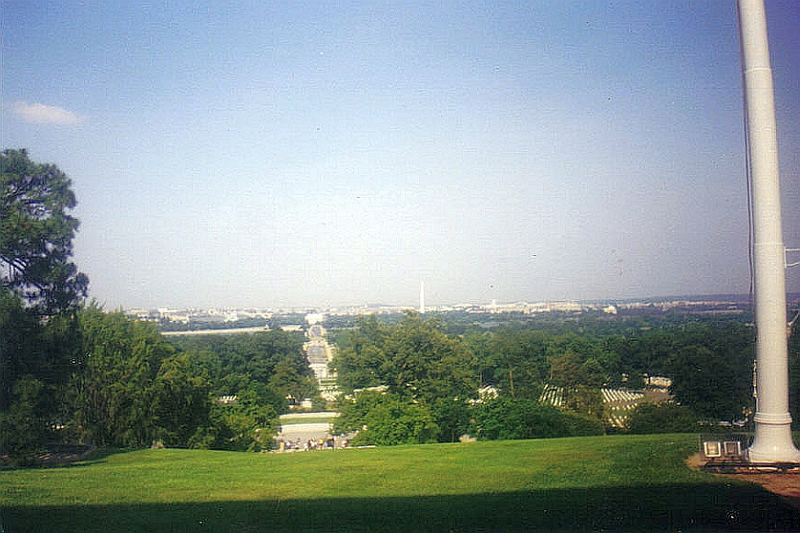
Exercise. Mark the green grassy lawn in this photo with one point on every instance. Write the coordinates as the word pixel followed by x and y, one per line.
pixel 579 484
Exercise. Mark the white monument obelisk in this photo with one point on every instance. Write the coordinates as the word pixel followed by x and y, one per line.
pixel 773 438
pixel 422 297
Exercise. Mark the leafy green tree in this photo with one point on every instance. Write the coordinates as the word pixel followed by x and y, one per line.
pixel 565 370
pixel 360 360
pixel 584 400
pixel 648 352
pixel 610 359
pixel 515 418
pixel 414 358
pixel 34 356
pixel 21 347
pixel 582 345
pixel 180 401
pixel 247 425
pixel 481 344
pixel 425 363
pixel 664 417
pixel 287 381
pixel 264 394
pixel 25 426
pixel 238 362
pixel 386 419
pixel 453 416
pixel 520 362
pixel 36 233
pixel 592 374
pixel 113 396
pixel 714 382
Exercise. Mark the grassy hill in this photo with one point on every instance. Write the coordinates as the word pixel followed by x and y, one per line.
pixel 580 484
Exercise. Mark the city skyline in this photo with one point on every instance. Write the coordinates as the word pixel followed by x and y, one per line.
pixel 320 156
pixel 739 301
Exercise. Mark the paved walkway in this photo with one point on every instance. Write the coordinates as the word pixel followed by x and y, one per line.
pixel 305 432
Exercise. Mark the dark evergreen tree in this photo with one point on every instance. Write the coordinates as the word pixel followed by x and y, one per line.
pixel 36 234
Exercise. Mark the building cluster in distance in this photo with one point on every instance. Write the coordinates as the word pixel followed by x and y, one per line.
pixel 220 317
pixel 209 316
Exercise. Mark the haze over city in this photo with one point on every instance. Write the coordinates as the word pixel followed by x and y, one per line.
pixel 320 154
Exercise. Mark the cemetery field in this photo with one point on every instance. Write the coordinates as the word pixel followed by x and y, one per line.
pixel 614 483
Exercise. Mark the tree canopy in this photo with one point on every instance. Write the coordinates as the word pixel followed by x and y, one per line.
pixel 36 234
pixel 413 358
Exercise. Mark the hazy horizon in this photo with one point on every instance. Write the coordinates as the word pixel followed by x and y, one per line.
pixel 312 155
pixel 433 307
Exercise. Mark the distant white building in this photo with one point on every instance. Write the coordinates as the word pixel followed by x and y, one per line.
pixel 314 318
pixel 658 382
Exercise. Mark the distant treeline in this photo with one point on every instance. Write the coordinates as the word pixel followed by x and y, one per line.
pixel 418 368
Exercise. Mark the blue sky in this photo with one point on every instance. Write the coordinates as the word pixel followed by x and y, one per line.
pixel 318 153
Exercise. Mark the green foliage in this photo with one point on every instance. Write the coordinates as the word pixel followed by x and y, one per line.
pixel 36 360
pixel 520 361
pixel 425 363
pixel 26 424
pixel 510 419
pixel 516 361
pixel 453 416
pixel 360 360
pixel 429 377
pixel 247 425
pixel 709 361
pixel 385 419
pixel 712 371
pixel 582 425
pixel 565 370
pixel 134 390
pixel 664 417
pixel 413 358
pixel 180 401
pixel 20 346
pixel 584 400
pixel 234 363
pixel 36 233
pixel 113 396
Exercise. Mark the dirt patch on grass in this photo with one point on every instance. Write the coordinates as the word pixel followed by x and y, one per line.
pixel 786 485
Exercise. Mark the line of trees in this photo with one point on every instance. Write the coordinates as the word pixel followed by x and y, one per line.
pixel 88 376
pixel 409 381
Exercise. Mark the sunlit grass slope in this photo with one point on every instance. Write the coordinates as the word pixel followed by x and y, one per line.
pixel 612 483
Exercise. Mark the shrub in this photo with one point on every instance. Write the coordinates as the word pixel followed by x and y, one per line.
pixel 664 417
pixel 508 419
pixel 23 427
pixel 386 419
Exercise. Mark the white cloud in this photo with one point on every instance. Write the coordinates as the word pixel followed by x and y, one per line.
pixel 44 114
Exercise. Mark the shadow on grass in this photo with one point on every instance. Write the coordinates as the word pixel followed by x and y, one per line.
pixel 96 456
pixel 654 508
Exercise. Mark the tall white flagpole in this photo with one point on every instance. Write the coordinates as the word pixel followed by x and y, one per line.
pixel 773 438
